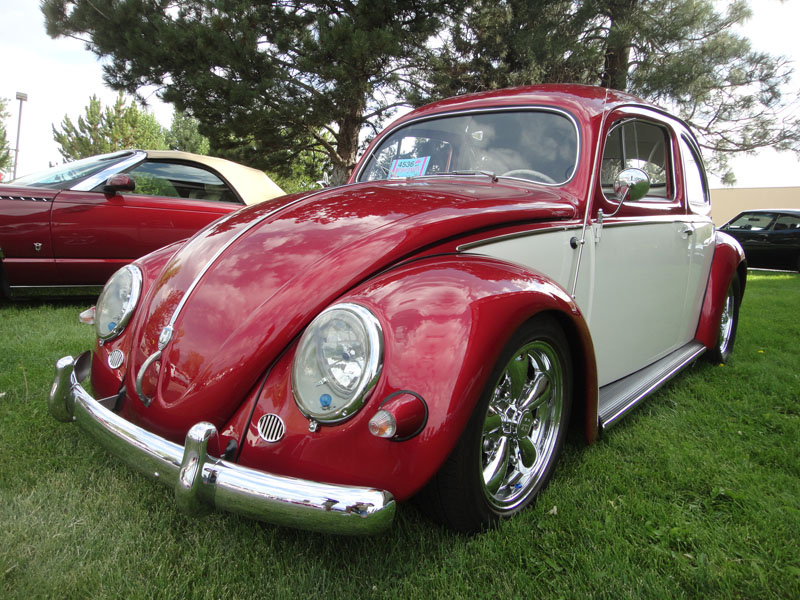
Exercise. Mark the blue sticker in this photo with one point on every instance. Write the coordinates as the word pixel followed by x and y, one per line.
pixel 409 167
pixel 111 326
pixel 325 400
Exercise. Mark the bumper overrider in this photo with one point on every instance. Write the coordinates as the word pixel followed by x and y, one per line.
pixel 201 481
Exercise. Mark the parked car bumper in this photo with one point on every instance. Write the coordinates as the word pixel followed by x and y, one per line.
pixel 201 481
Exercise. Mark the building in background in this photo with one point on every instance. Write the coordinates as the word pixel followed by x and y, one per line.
pixel 726 203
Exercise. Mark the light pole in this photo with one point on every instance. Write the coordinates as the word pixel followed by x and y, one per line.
pixel 22 98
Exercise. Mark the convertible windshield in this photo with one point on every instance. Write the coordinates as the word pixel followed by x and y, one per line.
pixel 538 145
pixel 64 176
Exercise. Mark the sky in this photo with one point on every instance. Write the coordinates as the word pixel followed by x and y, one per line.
pixel 59 76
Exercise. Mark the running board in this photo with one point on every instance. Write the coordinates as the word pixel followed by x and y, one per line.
pixel 619 397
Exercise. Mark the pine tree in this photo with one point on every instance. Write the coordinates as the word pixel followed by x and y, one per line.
pixel 5 148
pixel 682 54
pixel 184 135
pixel 267 80
pixel 119 127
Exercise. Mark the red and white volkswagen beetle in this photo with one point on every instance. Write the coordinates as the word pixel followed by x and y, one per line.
pixel 500 265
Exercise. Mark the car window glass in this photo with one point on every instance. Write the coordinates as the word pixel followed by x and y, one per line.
pixel 637 144
pixel 787 222
pixel 64 176
pixel 538 145
pixel 696 185
pixel 752 221
pixel 178 180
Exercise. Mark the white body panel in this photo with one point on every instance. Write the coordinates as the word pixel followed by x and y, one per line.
pixel 633 268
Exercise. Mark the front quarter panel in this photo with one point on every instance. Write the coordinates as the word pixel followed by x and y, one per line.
pixel 107 381
pixel 445 321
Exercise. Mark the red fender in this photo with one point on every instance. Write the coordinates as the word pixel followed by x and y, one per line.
pixel 105 380
pixel 728 260
pixel 445 320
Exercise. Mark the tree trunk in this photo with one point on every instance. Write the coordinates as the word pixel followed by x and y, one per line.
pixel 616 60
pixel 347 143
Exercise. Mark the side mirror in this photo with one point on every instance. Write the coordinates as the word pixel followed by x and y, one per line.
pixel 631 185
pixel 120 182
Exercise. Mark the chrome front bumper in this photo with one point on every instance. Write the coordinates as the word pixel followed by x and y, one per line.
pixel 201 481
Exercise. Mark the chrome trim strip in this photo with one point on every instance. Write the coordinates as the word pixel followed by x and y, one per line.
pixel 201 481
pixel 590 196
pixel 146 400
pixel 25 198
pixel 619 397
pixel 488 109
pixel 56 287
pixel 88 184
pixel 671 219
pixel 513 236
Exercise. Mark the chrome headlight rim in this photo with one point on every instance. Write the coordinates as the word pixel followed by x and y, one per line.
pixel 372 368
pixel 127 308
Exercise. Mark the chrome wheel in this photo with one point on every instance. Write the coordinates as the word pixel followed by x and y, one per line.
pixel 522 424
pixel 726 322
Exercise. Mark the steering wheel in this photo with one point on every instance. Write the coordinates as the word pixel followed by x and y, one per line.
pixel 529 174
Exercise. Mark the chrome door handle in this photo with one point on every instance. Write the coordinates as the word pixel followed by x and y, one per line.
pixel 686 231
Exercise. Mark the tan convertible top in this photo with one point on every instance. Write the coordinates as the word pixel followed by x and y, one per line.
pixel 252 185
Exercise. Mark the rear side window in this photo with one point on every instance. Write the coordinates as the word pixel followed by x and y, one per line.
pixel 696 183
pixel 785 222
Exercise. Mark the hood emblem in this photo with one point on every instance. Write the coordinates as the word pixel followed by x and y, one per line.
pixel 37 246
pixel 164 337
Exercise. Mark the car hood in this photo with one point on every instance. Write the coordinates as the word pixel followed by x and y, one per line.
pixel 239 291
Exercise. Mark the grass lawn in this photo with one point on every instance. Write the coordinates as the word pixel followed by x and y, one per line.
pixel 694 495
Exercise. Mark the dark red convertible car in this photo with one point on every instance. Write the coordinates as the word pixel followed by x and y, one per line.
pixel 501 266
pixel 77 223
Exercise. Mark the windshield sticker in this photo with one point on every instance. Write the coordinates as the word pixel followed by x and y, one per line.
pixel 409 167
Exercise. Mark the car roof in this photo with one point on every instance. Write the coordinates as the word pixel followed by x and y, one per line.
pixel 252 185
pixel 793 211
pixel 587 99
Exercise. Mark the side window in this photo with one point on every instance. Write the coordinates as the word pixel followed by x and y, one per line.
pixel 178 180
pixel 786 222
pixel 695 176
pixel 635 143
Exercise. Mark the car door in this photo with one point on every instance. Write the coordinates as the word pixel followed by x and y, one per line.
pixel 751 229
pixel 94 232
pixel 781 245
pixel 633 279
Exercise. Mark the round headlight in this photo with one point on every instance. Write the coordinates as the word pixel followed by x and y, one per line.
pixel 117 301
pixel 338 361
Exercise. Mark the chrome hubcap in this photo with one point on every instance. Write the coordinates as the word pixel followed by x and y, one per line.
pixel 521 426
pixel 726 323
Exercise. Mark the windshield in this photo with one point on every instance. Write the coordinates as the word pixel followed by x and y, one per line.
pixel 64 176
pixel 538 145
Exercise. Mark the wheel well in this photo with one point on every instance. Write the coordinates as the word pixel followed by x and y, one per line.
pixel 580 368
pixel 5 289
pixel 741 271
